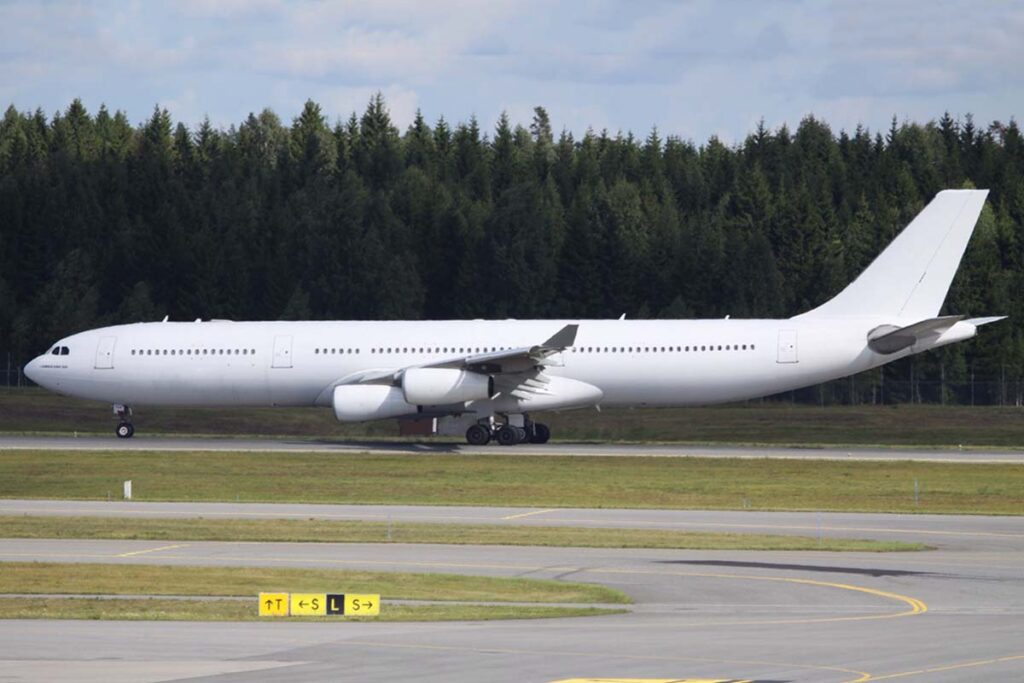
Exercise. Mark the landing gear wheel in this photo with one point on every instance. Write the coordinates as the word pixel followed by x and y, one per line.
pixel 478 435
pixel 124 430
pixel 507 436
pixel 522 436
pixel 541 433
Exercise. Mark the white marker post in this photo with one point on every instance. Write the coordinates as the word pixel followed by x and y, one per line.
pixel 128 489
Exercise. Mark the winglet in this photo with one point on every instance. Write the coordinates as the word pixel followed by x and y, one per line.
pixel 562 339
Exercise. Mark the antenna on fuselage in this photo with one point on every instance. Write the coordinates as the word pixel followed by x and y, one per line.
pixel 166 318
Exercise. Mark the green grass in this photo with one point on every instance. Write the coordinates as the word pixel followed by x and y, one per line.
pixel 511 480
pixel 324 531
pixel 233 610
pixel 36 410
pixel 136 579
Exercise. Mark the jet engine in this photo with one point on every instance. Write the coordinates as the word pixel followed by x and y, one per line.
pixel 443 386
pixel 363 402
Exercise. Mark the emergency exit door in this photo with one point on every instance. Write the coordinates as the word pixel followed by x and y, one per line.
pixel 787 347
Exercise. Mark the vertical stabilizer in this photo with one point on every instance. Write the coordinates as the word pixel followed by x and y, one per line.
pixel 911 277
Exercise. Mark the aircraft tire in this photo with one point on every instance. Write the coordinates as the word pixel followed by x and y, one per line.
pixel 124 430
pixel 478 435
pixel 507 436
pixel 541 433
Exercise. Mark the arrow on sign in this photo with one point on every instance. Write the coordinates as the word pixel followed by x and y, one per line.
pixel 269 603
pixel 302 603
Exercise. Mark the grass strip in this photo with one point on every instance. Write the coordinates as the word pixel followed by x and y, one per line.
pixel 35 410
pixel 513 480
pixel 138 579
pixel 331 531
pixel 232 610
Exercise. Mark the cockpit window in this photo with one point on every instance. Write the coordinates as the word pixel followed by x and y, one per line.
pixel 64 350
pixel 56 351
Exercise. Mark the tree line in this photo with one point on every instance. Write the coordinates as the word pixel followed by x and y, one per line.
pixel 103 222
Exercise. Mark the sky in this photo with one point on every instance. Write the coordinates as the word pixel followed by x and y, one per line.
pixel 693 68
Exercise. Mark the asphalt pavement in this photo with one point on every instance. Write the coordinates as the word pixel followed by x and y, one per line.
pixel 952 614
pixel 279 445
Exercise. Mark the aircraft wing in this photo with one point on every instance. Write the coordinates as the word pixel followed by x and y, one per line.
pixel 508 362
pixel 512 360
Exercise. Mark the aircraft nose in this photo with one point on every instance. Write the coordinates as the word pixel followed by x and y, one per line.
pixel 32 369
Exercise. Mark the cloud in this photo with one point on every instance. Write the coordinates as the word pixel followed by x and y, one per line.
pixel 691 68
pixel 953 47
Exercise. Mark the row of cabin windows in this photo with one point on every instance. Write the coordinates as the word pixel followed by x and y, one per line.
pixel 193 352
pixel 662 349
pixel 413 349
pixel 574 349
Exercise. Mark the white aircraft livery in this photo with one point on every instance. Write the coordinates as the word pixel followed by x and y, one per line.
pixel 484 378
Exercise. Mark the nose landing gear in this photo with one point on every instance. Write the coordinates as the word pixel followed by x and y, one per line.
pixel 125 428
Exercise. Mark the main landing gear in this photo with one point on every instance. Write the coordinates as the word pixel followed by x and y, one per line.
pixel 508 434
pixel 125 428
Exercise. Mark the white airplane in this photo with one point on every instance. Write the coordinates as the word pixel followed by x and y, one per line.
pixel 483 378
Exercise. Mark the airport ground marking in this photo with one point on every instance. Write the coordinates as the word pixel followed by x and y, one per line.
pixel 152 550
pixel 916 606
pixel 594 655
pixel 529 514
pixel 553 521
pixel 866 678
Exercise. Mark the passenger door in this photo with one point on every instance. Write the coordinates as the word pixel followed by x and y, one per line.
pixel 282 351
pixel 787 347
pixel 105 353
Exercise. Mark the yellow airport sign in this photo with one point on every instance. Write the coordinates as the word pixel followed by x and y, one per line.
pixel 319 604
pixel 273 604
pixel 361 605
pixel 308 604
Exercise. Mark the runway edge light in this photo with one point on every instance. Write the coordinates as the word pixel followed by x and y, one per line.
pixel 273 604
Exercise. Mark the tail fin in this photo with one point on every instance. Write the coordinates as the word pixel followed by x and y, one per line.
pixel 910 278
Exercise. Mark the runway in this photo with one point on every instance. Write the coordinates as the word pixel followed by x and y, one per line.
pixel 968 532
pixel 952 614
pixel 277 445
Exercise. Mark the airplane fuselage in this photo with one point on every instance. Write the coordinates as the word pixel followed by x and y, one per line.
pixel 634 363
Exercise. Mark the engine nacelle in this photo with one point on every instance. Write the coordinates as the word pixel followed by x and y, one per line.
pixel 442 386
pixel 363 402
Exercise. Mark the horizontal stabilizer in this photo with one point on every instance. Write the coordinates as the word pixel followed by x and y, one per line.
pixel 978 322
pixel 890 339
